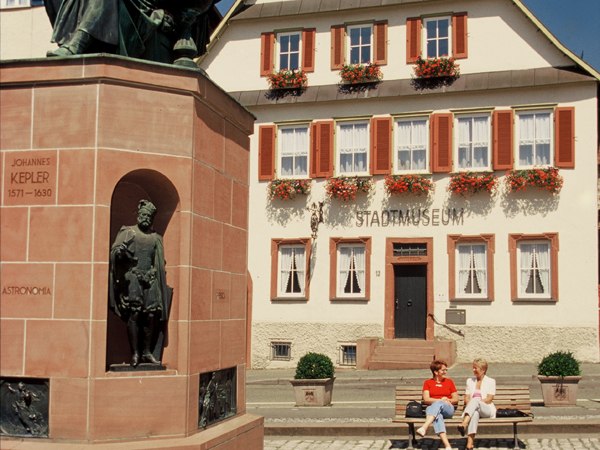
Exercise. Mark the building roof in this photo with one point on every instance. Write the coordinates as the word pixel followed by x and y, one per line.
pixel 248 10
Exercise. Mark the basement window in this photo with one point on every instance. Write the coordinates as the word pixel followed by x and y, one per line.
pixel 348 355
pixel 281 351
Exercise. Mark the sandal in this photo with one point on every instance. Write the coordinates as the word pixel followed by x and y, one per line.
pixel 461 430
pixel 421 432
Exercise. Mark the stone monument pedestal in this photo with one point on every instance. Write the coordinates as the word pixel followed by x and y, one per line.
pixel 83 140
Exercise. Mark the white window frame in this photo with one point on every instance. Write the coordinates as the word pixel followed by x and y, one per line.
pixel 425 38
pixel 522 294
pixel 525 112
pixel 17 4
pixel 360 45
pixel 395 163
pixel 288 53
pixel 339 279
pixel 300 271
pixel 338 148
pixel 457 143
pixel 296 154
pixel 483 283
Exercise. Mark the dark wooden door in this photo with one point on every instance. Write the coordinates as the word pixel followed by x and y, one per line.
pixel 410 299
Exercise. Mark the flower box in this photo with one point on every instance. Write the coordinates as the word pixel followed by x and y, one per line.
pixel 288 189
pixel 546 178
pixel 360 73
pixel 436 68
pixel 411 184
pixel 287 79
pixel 466 183
pixel 346 188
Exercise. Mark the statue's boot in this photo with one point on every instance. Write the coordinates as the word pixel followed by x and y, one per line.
pixel 133 334
pixel 76 45
pixel 149 329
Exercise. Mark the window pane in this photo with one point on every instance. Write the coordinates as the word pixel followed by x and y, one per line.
pixel 443 26
pixel 431 49
pixel 431 29
pixel 294 42
pixel 354 55
pixel 365 35
pixel 365 55
pixel 443 48
pixel 284 43
pixel 526 155
pixel 354 36
pixel 294 62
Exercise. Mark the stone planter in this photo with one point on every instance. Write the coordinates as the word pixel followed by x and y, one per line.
pixel 313 392
pixel 559 391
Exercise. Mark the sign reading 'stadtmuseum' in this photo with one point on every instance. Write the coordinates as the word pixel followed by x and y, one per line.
pixel 410 217
pixel 30 178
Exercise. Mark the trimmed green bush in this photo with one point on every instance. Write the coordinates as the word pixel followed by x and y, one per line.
pixel 559 364
pixel 314 366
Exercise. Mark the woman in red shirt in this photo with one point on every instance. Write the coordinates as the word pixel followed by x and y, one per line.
pixel 441 396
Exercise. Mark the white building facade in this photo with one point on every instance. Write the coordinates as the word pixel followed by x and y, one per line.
pixel 504 275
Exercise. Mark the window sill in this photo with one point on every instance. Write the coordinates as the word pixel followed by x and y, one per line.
pixel 349 299
pixel 289 299
pixel 471 299
pixel 534 300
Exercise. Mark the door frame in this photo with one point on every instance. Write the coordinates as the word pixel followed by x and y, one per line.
pixel 390 262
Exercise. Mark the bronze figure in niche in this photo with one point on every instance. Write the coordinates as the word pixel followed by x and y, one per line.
pixel 138 288
pixel 24 407
pixel 154 30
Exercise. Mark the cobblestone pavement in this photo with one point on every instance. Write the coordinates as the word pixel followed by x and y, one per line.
pixel 274 443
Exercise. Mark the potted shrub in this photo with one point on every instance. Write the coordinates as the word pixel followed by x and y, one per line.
pixel 559 373
pixel 313 381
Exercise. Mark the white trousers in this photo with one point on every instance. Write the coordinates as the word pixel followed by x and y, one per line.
pixel 476 408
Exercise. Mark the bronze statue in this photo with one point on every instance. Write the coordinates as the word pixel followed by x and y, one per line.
pixel 155 30
pixel 138 289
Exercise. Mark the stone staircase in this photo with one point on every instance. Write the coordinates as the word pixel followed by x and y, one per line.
pixel 401 354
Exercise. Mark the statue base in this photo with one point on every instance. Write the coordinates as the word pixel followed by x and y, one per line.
pixel 141 367
pixel 103 132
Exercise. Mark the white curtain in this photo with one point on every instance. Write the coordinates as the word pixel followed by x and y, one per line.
pixel 525 264
pixel 344 259
pixel 481 139
pixel 480 262
pixel 294 151
pixel 285 258
pixel 346 147
pixel 359 265
pixel 464 258
pixel 526 139
pixel 464 143
pixel 542 139
pixel 300 267
pixel 543 262
pixel 411 138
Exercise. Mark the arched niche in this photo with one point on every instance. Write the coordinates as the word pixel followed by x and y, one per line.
pixel 133 187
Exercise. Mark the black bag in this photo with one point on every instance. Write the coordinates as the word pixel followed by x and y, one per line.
pixel 414 409
pixel 509 412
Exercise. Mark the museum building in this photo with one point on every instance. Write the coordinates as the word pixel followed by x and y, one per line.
pixel 423 179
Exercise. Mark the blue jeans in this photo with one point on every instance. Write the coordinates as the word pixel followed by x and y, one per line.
pixel 440 410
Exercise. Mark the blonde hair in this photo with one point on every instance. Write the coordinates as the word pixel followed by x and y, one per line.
pixel 481 363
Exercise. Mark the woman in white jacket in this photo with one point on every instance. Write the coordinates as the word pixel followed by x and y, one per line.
pixel 479 395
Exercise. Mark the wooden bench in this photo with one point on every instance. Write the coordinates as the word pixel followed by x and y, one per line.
pixel 515 397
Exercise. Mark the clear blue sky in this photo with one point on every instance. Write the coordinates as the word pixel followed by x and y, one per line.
pixel 576 23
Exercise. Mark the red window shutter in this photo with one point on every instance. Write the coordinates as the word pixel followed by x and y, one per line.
pixel 381 145
pixel 380 50
pixel 266 152
pixel 459 35
pixel 321 135
pixel 441 142
pixel 413 39
pixel 337 46
pixel 502 123
pixel 308 50
pixel 564 130
pixel 267 46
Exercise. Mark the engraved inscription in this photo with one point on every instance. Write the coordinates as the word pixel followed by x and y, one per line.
pixel 30 179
